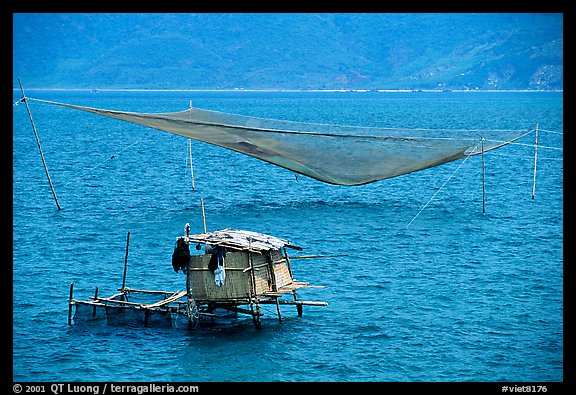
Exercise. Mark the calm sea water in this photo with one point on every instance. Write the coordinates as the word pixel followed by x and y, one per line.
pixel 456 296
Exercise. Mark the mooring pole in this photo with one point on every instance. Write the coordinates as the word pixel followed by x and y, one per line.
pixel 535 156
pixel 39 146
pixel 483 177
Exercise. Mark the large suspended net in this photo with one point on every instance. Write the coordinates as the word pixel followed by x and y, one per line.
pixel 335 154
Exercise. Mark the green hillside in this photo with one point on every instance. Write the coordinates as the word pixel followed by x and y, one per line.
pixel 289 51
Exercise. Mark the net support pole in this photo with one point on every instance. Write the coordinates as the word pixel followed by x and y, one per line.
pixel 191 167
pixel 192 179
pixel 535 157
pixel 203 213
pixel 483 183
pixel 39 146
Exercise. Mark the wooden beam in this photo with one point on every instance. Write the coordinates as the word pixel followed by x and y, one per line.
pixel 132 290
pixel 296 302
pixel 243 311
pixel 165 301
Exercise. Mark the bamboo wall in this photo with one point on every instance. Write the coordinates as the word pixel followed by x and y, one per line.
pixel 270 273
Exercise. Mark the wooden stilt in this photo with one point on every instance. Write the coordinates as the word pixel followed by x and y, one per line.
pixel 188 295
pixel 278 310
pixel 190 302
pixel 298 305
pixel 212 315
pixel 253 313
pixel 254 305
pixel 95 299
pixel 257 316
pixel 70 303
pixel 535 157
pixel 39 146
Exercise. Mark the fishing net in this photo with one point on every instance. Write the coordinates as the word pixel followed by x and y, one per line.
pixel 123 316
pixel 85 313
pixel 335 154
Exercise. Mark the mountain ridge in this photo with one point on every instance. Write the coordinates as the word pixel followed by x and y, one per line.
pixel 289 51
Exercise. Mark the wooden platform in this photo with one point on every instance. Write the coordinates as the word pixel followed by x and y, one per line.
pixel 257 272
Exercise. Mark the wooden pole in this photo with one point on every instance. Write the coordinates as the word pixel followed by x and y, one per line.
pixel 193 180
pixel 254 297
pixel 535 156
pixel 483 177
pixel 95 299
pixel 191 306
pixel 70 303
pixel 203 212
pixel 39 146
pixel 125 266
pixel 188 295
pixel 298 305
pixel 287 261
pixel 191 167
pixel 126 261
pixel 278 310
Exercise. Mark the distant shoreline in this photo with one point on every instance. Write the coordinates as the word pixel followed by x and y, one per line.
pixel 96 90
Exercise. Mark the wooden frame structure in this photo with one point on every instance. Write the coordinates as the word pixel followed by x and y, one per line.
pixel 257 272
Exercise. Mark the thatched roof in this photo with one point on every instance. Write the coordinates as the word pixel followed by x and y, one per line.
pixel 241 240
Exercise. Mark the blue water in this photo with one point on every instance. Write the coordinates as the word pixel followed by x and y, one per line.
pixel 456 296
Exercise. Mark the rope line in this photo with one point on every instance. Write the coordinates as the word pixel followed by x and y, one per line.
pixel 335 126
pixel 522 157
pixel 100 163
pixel 551 131
pixel 525 144
pixel 105 160
pixel 443 185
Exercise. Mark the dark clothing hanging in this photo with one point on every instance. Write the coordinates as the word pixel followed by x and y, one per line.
pixel 217 258
pixel 181 255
